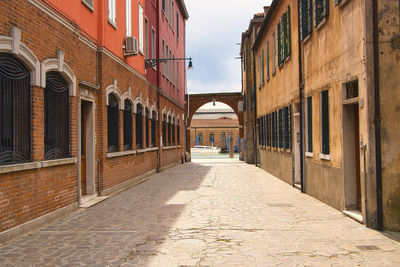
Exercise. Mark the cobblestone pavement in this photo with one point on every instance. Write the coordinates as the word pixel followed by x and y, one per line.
pixel 223 213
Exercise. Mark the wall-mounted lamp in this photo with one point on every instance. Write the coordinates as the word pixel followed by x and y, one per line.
pixel 149 63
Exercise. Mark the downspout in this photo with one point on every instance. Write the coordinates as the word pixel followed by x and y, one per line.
pixel 255 110
pixel 377 116
pixel 301 101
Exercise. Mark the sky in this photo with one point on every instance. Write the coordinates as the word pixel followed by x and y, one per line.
pixel 213 34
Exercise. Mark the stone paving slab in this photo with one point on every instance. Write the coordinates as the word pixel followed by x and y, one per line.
pixel 219 213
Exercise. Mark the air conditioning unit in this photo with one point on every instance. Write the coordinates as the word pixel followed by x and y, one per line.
pixel 131 46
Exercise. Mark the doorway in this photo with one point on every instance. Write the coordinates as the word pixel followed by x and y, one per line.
pixel 351 157
pixel 87 170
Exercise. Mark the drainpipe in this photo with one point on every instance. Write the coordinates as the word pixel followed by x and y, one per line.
pixel 301 102
pixel 255 110
pixel 377 117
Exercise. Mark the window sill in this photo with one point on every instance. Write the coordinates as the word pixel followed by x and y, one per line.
pixel 325 157
pixel 140 151
pixel 169 147
pixel 287 59
pixel 36 165
pixel 115 154
pixel 113 24
pixel 308 37
pixel 128 152
pixel 322 23
pixel 289 151
pixel 179 146
pixel 88 6
pixel 309 154
pixel 343 3
pixel 151 149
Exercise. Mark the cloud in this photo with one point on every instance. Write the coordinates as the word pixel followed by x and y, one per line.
pixel 213 32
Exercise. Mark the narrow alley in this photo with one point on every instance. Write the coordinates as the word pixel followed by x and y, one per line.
pixel 224 213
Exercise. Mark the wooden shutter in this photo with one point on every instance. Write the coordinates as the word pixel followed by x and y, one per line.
pixel 267 60
pixel 280 128
pixel 279 43
pixel 287 33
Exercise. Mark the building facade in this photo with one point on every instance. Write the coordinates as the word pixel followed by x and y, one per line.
pixel 248 86
pixel 326 104
pixel 212 127
pixel 79 104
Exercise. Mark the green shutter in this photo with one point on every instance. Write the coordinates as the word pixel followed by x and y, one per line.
pixel 262 67
pixel 288 39
pixel 267 60
pixel 285 33
pixel 279 43
pixel 325 122
pixel 280 127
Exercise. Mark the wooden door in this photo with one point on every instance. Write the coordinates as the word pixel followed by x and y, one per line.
pixel 83 147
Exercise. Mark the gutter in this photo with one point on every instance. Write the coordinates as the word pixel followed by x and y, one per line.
pixel 301 93
pixel 377 116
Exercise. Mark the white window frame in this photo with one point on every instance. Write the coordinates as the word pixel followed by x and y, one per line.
pixel 153 45
pixel 112 12
pixel 89 5
pixel 128 7
pixel 146 38
pixel 141 28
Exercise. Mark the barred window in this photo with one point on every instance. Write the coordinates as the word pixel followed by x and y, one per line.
pixel 178 133
pixel 223 137
pixel 211 137
pixel 169 130
pixel 139 126
pixel 280 136
pixel 321 11
pixel 147 128
pixel 173 131
pixel 273 127
pixel 305 18
pixel 284 38
pixel 56 117
pixel 325 122
pixel 164 130
pixel 200 139
pixel 269 130
pixel 15 113
pixel 128 125
pixel 153 129
pixel 112 124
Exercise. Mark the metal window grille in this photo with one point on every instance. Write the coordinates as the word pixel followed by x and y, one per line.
pixel 325 122
pixel 153 129
pixel 321 11
pixel 287 33
pixel 274 132
pixel 305 18
pixel 139 127
pixel 147 128
pixel 169 131
pixel 290 119
pixel 56 117
pixel 285 127
pixel 128 125
pixel 164 133
pixel 173 131
pixel 352 89
pixel 112 124
pixel 280 128
pixel 178 132
pixel 309 125
pixel 14 111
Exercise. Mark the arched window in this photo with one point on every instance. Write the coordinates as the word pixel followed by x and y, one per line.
pixel 211 137
pixel 56 117
pixel 164 130
pixel 139 127
pixel 169 130
pixel 178 139
pixel 173 131
pixel 223 137
pixel 113 123
pixel 128 125
pixel 14 111
pixel 153 128
pixel 147 128
pixel 200 139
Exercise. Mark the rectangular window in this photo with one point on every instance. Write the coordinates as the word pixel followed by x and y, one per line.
pixel 262 68
pixel 173 70
pixel 280 128
pixel 259 131
pixel 305 18
pixel 287 45
pixel 273 54
pixel 285 127
pixel 172 16
pixel 128 17
pixel 269 130
pixel 274 130
pixel 259 71
pixel 166 62
pixel 177 25
pixel 141 30
pixel 265 130
pixel 163 5
pixel 289 132
pixel 351 89
pixel 267 61
pixel 309 125
pixel 146 38
pixel 153 45
pixel 321 11
pixel 163 56
pixel 112 13
pixel 325 122
pixel 278 30
pixel 147 128
pixel 177 75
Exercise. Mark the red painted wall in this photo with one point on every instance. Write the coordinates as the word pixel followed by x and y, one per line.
pixel 151 14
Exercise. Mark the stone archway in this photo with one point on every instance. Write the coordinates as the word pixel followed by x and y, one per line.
pixel 195 101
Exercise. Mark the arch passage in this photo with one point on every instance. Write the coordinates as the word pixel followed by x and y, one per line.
pixel 194 102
